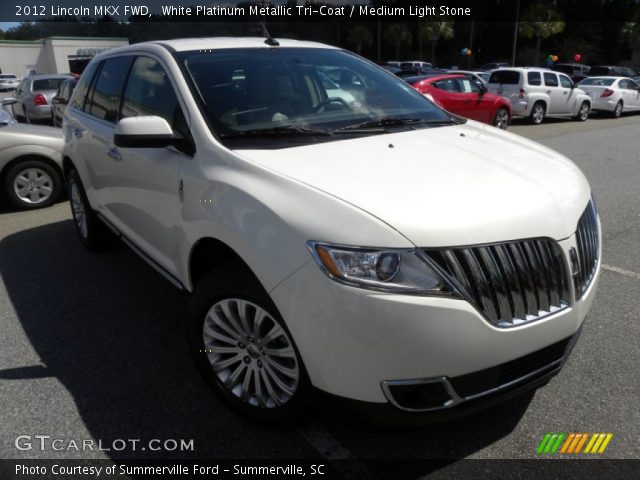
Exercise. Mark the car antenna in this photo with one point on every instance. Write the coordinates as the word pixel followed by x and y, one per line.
pixel 272 42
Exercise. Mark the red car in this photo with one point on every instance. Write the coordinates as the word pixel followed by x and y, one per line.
pixel 465 97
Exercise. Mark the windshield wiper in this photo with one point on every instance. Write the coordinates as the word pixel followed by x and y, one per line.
pixel 275 131
pixel 381 123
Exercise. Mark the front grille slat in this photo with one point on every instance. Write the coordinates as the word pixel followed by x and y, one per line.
pixel 588 246
pixel 510 283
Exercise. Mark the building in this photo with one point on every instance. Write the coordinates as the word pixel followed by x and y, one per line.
pixel 53 54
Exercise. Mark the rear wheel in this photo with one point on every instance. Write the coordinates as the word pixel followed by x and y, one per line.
pixel 244 350
pixel 618 110
pixel 537 113
pixel 501 120
pixel 93 234
pixel 583 113
pixel 32 184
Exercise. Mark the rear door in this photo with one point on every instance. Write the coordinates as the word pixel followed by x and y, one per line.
pixel 506 83
pixel 630 94
pixel 557 104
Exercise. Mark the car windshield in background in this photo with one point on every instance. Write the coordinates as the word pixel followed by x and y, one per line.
pixel 47 84
pixel 599 82
pixel 302 92
pixel 505 77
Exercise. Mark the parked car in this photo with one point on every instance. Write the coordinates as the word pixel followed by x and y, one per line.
pixel 493 65
pixel 614 95
pixel 61 99
pixel 481 77
pixel 538 93
pixel 30 163
pixel 636 79
pixel 611 71
pixel 33 97
pixel 409 64
pixel 576 71
pixel 466 97
pixel 8 82
pixel 387 252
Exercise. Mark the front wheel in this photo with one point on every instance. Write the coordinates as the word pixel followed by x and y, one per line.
pixel 501 120
pixel 32 184
pixel 537 114
pixel 244 350
pixel 93 234
pixel 583 113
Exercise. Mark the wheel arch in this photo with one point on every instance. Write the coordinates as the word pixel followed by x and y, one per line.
pixel 207 254
pixel 30 157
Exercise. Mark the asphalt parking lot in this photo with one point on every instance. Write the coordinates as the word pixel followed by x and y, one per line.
pixel 92 346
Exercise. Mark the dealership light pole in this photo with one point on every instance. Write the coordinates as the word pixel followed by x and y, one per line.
pixel 515 34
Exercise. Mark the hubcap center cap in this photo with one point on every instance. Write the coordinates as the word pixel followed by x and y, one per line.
pixel 253 351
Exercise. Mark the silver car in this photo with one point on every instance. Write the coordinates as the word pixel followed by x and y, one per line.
pixel 30 163
pixel 33 97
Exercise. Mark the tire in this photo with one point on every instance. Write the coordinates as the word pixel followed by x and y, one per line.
pixel 238 293
pixel 32 184
pixel 583 112
pixel 54 121
pixel 501 119
pixel 94 235
pixel 27 118
pixel 537 114
pixel 617 112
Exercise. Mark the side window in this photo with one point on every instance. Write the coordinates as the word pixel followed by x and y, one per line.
pixel 450 85
pixel 468 86
pixel 534 78
pixel 565 82
pixel 80 93
pixel 550 79
pixel 149 92
pixel 105 99
pixel 20 88
pixel 623 84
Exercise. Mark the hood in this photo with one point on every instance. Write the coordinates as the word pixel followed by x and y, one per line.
pixel 445 186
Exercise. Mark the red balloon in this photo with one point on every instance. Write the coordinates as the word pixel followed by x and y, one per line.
pixel 577 57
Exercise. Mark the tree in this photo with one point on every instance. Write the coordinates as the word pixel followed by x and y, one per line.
pixel 399 36
pixel 541 21
pixel 433 32
pixel 360 37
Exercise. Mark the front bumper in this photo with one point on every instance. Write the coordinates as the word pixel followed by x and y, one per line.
pixel 354 341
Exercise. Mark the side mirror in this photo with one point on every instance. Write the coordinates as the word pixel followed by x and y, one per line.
pixel 59 100
pixel 144 132
pixel 483 89
pixel 8 101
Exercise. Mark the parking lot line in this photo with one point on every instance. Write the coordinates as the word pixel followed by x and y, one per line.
pixel 621 271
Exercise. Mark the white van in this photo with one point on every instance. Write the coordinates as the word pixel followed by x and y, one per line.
pixel 538 93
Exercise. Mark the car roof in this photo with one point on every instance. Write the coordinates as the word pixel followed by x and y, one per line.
pixel 213 43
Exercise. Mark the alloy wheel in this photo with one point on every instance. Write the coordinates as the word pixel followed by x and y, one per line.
pixel 33 186
pixel 502 119
pixel 250 353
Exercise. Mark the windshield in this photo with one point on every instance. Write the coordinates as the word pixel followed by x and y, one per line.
pixel 300 91
pixel 601 82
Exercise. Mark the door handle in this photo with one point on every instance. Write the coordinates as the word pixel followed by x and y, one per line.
pixel 113 152
pixel 77 132
pixel 564 93
pixel 548 91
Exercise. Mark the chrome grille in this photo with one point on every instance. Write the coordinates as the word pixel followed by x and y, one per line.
pixel 588 243
pixel 512 282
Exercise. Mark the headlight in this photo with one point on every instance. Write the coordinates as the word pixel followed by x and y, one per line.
pixel 390 270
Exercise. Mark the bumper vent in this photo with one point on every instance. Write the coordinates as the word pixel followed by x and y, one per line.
pixel 588 243
pixel 512 282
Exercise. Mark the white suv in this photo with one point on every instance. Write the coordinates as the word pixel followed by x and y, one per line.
pixel 538 93
pixel 379 250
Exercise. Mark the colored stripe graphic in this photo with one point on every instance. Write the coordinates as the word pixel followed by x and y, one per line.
pixel 573 443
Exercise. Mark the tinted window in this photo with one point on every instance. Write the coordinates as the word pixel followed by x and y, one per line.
pixel 565 82
pixel 46 84
pixel 80 92
pixel 450 85
pixel 508 77
pixel 105 99
pixel 149 91
pixel 550 79
pixel 600 71
pixel 534 78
